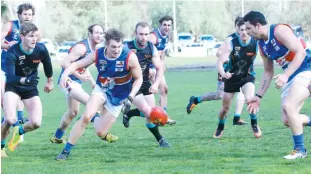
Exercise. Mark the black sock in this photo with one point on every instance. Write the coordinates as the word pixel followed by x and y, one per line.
pixel 133 112
pixel 155 132
pixel 2 146
pixel 221 126
pixel 196 100
pixel 236 118
pixel 253 121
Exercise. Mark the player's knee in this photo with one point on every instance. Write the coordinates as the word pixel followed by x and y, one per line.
pixel 11 121
pixel 145 110
pixel 101 134
pixel 288 108
pixel 73 112
pixel 225 108
pixel 219 95
pixel 86 119
pixel 163 89
pixel 36 124
pixel 285 122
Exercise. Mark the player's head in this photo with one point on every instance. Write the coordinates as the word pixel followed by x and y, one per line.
pixel 29 34
pixel 254 22
pixel 25 12
pixel 142 31
pixel 96 33
pixel 166 23
pixel 113 42
pixel 237 19
pixel 242 31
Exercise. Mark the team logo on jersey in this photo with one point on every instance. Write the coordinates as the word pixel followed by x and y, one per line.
pixel 148 56
pixel 134 50
pixel 250 54
pixel 15 34
pixel 236 50
pixel 22 57
pixel 107 83
pixel 36 61
pixel 102 64
pixel 119 69
pixel 275 45
pixel 119 63
pixel 21 60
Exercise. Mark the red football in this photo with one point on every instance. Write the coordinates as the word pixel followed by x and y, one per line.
pixel 158 116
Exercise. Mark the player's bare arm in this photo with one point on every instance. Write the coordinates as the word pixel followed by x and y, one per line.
pixel 158 66
pixel 136 72
pixel 152 38
pixel 267 75
pixel 223 57
pixel 4 32
pixel 88 60
pixel 48 71
pixel 76 52
pixel 223 46
pixel 286 36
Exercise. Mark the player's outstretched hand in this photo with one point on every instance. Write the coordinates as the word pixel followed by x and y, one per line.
pixel 64 81
pixel 253 105
pixel 127 103
pixel 280 80
pixel 49 86
pixel 32 79
pixel 154 89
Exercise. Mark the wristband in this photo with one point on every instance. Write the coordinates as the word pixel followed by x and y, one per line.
pixel 258 96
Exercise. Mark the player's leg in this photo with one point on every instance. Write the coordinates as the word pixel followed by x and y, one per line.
pixel 78 93
pixel 163 90
pixel 226 103
pixel 34 108
pixel 249 91
pixel 144 90
pixel 294 94
pixel 240 99
pixel 94 104
pixel 306 120
pixel 142 105
pixel 69 115
pixel 109 115
pixel 3 153
pixel 20 113
pixel 20 117
pixel 10 101
pixel 193 101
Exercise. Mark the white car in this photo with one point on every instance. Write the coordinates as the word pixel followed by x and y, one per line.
pixel 184 40
pixel 62 52
pixel 207 41
pixel 51 46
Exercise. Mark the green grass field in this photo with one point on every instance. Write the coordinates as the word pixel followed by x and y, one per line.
pixel 193 148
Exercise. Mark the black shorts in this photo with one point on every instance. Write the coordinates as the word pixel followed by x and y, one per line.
pixel 233 85
pixel 25 92
pixel 144 89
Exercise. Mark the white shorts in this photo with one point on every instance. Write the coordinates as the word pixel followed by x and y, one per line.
pixel 112 109
pixel 70 85
pixel 303 78
pixel 3 77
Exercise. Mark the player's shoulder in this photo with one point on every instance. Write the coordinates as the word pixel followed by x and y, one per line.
pixel 41 47
pixel 14 48
pixel 150 44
